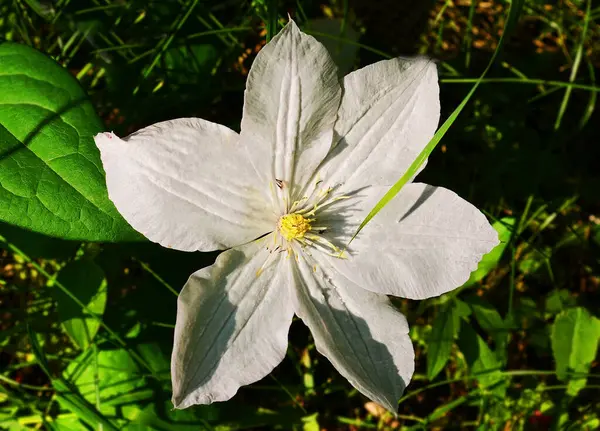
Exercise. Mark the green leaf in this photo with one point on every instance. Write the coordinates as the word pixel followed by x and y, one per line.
pixel 311 422
pixel 557 301
pixel 491 322
pixel 163 417
pixel 84 410
pixel 108 379
pixel 111 374
pixel 114 382
pixel 86 281
pixel 67 395
pixel 51 177
pixel 444 409
pixel 575 334
pixel 439 346
pixel 535 260
pixel 462 312
pixel 67 422
pixel 481 359
pixel 490 260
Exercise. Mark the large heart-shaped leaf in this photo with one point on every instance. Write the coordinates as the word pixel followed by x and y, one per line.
pixel 51 177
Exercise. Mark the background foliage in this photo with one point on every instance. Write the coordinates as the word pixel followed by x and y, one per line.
pixel 86 327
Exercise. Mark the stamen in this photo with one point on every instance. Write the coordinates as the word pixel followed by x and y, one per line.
pixel 296 203
pixel 297 223
pixel 267 261
pixel 326 245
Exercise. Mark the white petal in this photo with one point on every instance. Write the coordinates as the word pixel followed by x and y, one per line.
pixel 232 325
pixel 291 102
pixel 389 112
pixel 361 333
pixel 186 184
pixel 424 243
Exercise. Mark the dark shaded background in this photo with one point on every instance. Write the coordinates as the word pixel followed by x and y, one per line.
pixel 505 154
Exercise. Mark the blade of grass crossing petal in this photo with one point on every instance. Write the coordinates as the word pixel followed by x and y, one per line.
pixel 575 68
pixel 513 16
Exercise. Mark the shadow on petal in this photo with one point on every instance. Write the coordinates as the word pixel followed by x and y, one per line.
pixel 232 325
pixel 361 333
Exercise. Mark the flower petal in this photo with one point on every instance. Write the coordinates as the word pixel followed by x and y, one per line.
pixel 424 243
pixel 361 333
pixel 291 102
pixel 232 325
pixel 389 112
pixel 185 184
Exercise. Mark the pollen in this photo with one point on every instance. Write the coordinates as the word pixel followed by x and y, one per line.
pixel 293 226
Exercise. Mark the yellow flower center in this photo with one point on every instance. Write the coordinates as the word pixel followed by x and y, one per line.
pixel 293 226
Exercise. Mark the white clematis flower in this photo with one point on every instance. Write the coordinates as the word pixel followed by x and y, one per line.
pixel 313 157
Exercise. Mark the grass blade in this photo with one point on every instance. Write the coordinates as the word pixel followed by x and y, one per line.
pixel 591 106
pixel 68 394
pixel 575 68
pixel 513 16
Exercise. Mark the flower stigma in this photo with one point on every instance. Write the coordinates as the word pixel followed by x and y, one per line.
pixel 294 226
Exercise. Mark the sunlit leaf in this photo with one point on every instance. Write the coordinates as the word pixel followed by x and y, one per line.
pixel 574 335
pixel 51 177
pixel 558 300
pixel 481 360
pixel 68 394
pixel 490 260
pixel 110 380
pixel 113 380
